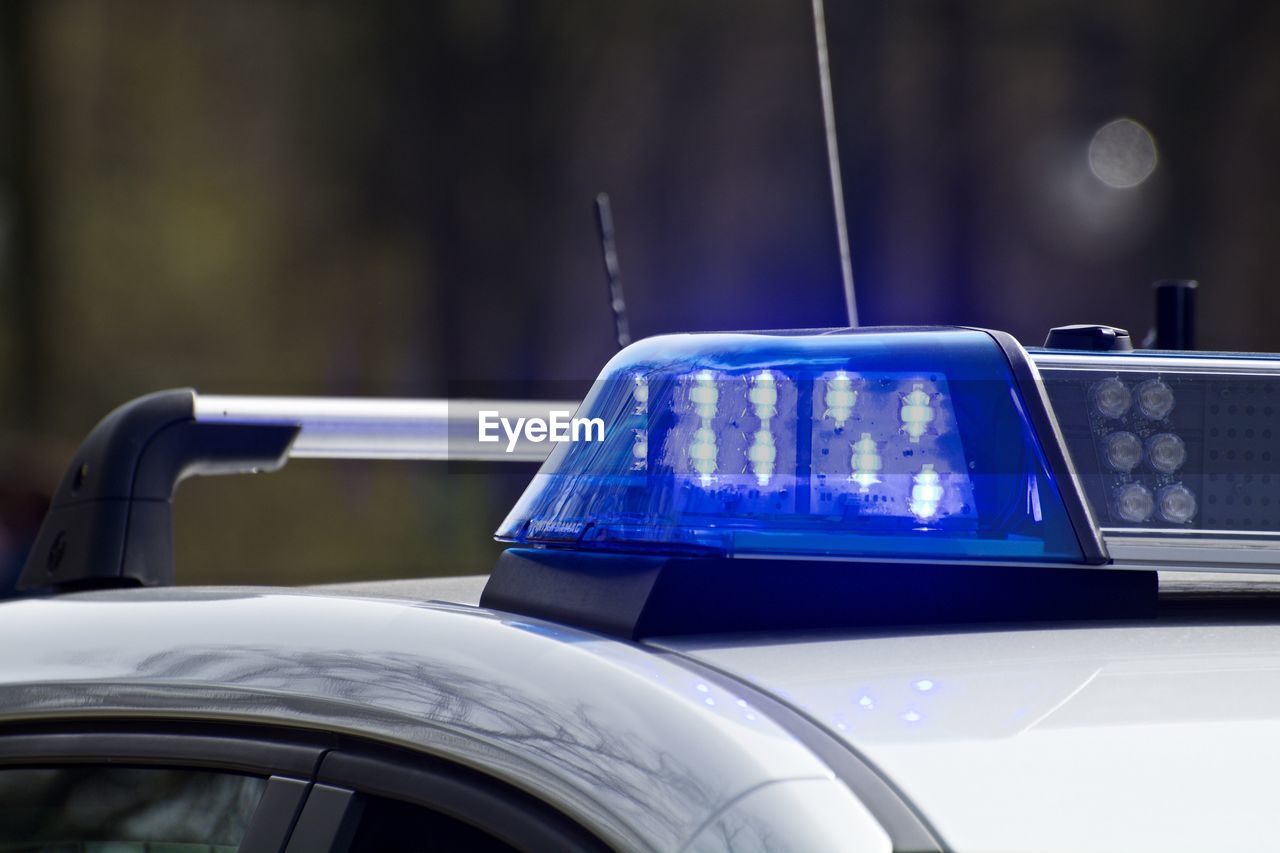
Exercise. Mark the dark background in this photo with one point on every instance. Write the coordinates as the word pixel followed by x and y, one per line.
pixel 389 198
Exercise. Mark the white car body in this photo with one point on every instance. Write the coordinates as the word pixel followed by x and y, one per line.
pixel 1144 736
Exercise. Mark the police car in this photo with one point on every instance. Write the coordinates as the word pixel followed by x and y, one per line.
pixel 899 589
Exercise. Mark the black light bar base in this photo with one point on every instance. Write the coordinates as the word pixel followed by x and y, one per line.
pixel 634 596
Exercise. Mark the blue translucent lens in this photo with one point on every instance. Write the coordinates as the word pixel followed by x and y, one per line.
pixel 869 444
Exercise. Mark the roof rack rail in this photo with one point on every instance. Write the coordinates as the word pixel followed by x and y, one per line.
pixel 110 522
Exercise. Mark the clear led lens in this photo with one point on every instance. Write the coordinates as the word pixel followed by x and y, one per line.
pixel 704 395
pixel 916 413
pixel 1112 398
pixel 1134 502
pixel 1155 399
pixel 865 463
pixel 1177 504
pixel 926 493
pixel 641 395
pixel 840 398
pixel 764 395
pixel 1124 451
pixel 702 454
pixel 639 450
pixel 1166 452
pixel 763 453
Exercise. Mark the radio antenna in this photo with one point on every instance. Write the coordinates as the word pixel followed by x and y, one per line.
pixel 618 305
pixel 833 161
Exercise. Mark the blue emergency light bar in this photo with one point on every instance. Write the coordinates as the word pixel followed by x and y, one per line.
pixel 909 451
pixel 871 445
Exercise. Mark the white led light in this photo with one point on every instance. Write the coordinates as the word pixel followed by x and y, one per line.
pixel 702 451
pixel 916 413
pixel 1155 399
pixel 1112 398
pixel 926 493
pixel 839 398
pixel 641 395
pixel 702 454
pixel 1166 452
pixel 764 399
pixel 865 463
pixel 640 450
pixel 762 455
pixel 1123 450
pixel 1134 503
pixel 764 395
pixel 704 395
pixel 1177 504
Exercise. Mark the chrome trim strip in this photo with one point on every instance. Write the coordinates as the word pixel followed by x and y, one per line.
pixel 1116 362
pixel 1174 554
pixel 1142 533
pixel 344 428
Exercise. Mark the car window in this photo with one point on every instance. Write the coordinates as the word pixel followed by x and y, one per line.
pixel 388 826
pixel 93 809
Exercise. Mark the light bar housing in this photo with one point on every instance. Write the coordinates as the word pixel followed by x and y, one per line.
pixel 1177 453
pixel 851 444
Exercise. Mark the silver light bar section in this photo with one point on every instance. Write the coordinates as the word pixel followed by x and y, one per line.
pixel 1220 409
pixel 1171 552
pixel 1218 364
pixel 346 428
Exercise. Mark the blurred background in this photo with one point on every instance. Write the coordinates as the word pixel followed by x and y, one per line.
pixel 394 198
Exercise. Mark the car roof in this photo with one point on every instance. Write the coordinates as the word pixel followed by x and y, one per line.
pixel 1122 737
pixel 1149 735
pixel 1045 737
pixel 633 744
pixel 1006 737
pixel 462 589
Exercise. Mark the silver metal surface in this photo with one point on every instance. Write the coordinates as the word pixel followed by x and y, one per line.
pixel 462 589
pixel 344 428
pixel 1138 737
pixel 1240 582
pixel 816 814
pixel 1112 362
pixel 1169 551
pixel 635 747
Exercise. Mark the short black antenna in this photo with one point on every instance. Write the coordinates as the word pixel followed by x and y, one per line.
pixel 833 162
pixel 618 305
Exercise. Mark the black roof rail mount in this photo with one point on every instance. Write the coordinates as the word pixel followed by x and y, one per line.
pixel 110 522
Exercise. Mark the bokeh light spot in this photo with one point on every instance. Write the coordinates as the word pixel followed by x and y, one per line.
pixel 1122 154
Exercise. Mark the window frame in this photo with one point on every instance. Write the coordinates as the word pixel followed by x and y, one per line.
pixel 470 796
pixel 286 765
pixel 317 782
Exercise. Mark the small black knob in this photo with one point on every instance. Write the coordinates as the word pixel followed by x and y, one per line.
pixel 1089 337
